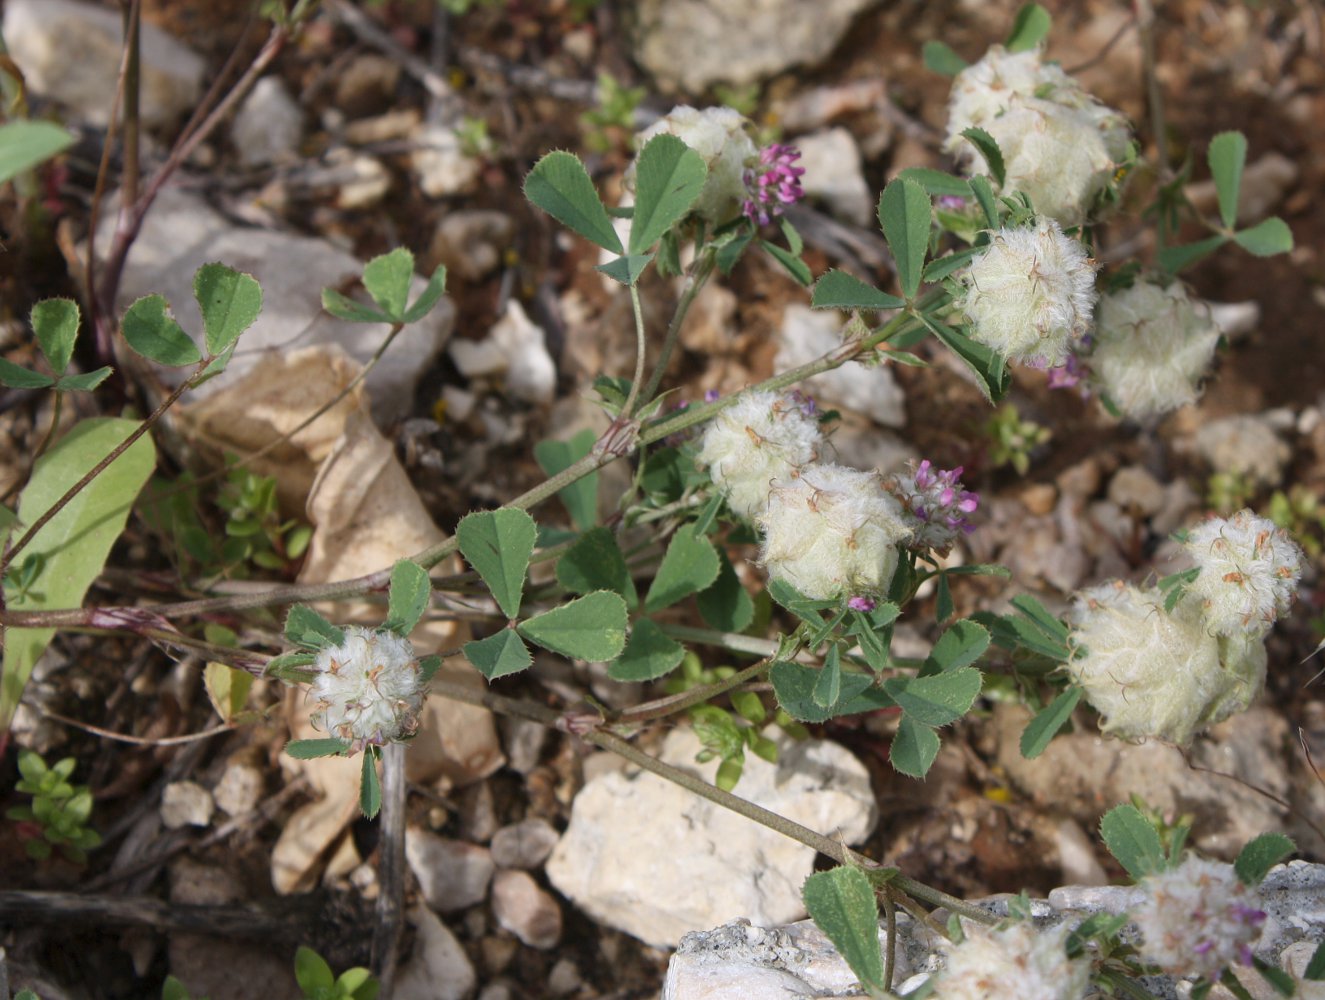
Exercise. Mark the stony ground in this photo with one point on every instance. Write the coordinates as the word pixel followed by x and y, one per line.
pixel 391 124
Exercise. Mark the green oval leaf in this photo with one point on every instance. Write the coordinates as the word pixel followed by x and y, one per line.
pixel 669 176
pixel 580 498
pixel 499 544
pixel 649 654
pixel 73 546
pixel 1047 722
pixel 791 262
pixel 839 290
pixel 591 628
pixel 689 565
pixel 626 270
pixel 1265 239
pixel 939 699
pixel 24 144
pixel 828 687
pixel 408 597
pixel 725 604
pixel 937 183
pixel 842 904
pixel 85 382
pixel 151 330
pixel 307 629
pixel 988 366
pixel 904 214
pixel 55 324
pixel 387 279
pixel 940 58
pixel 561 187
pixel 17 377
pixel 914 748
pixel 1029 29
pixel 1133 840
pixel 1227 156
pixel 343 307
pixel 1260 855
pixel 960 645
pixel 499 654
pixel 1174 259
pixel 429 297
pixel 986 145
pixel 311 749
pixel 229 301
pixel 595 562
pixel 370 787
pixel 794 684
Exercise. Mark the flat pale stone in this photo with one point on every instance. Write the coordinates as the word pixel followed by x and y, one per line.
pixel 453 875
pixel 526 910
pixel 186 803
pixel 646 857
pixel 438 969
pixel 807 334
pixel 834 173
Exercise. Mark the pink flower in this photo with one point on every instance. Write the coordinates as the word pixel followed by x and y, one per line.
pixel 774 184
pixel 938 502
pixel 865 604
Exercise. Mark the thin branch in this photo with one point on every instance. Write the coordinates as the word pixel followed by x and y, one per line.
pixel 391 867
pixel 699 274
pixel 141 741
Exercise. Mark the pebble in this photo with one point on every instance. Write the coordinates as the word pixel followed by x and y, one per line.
pixel 526 844
pixel 186 803
pixel 438 968
pixel 564 978
pixel 523 740
pixel 834 174
pixel 471 242
pixel 367 85
pixel 516 348
pixel 1039 498
pixel 1134 489
pixel 453 875
pixel 268 126
pixel 1080 480
pixel 808 334
pixel 441 165
pixel 239 789
pixel 525 910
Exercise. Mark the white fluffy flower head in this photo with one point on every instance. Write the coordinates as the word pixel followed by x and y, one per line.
pixel 719 136
pixel 831 530
pixel 1152 673
pixel 1060 146
pixel 369 688
pixel 1017 962
pixel 1198 919
pixel 1153 345
pixel 1249 572
pixel 761 437
pixel 1029 295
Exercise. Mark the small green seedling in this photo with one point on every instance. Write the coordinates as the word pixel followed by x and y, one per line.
pixel 59 812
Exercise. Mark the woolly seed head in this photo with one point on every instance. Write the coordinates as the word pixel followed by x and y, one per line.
pixel 937 505
pixel 368 688
pixel 1198 919
pixel 1153 345
pixel 1249 572
pixel 1017 962
pixel 719 136
pixel 1152 673
pixel 761 437
pixel 1029 295
pixel 982 91
pixel 830 530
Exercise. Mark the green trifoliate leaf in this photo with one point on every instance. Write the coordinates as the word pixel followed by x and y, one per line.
pixel 595 562
pixel 428 298
pixel 1030 28
pixel 151 330
pixel 725 604
pixel 690 565
pixel 499 654
pixel 370 786
pixel 408 597
pixel 55 325
pixel 839 290
pixel 17 377
pixel 962 644
pixel 904 214
pixel 988 366
pixel 791 262
pixel 1133 840
pixel 940 58
pixel 580 498
pixel 307 629
pixel 592 628
pixel 499 545
pixel 387 279
pixel 1260 855
pixel 1174 259
pixel 311 749
pixel 1228 156
pixel 85 382
pixel 987 146
pixel 938 699
pixel 626 270
pixel 938 183
pixel 229 300
pixel 1047 722
pixel 1265 239
pixel 914 748
pixel 669 176
pixel 649 654
pixel 842 904
pixel 343 307
pixel 24 144
pixel 794 685
pixel 561 187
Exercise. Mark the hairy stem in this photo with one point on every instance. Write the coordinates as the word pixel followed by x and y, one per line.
pixel 641 349
pixel 695 279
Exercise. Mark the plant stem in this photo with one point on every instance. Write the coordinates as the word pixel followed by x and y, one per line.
pixel 641 349
pixel 132 95
pixel 672 704
pixel 698 274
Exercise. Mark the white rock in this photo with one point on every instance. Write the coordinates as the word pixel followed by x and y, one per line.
pixel 1246 446
pixel 453 875
pixel 833 173
pixel 649 858
pixel 807 334
pixel 366 182
pixel 182 232
pixel 438 969
pixel 70 52
pixel 441 165
pixel 1235 319
pixel 1134 487
pixel 526 844
pixel 268 126
pixel 239 789
pixel 525 910
pixel 471 242
pixel 186 803
pixel 516 347
pixel 689 45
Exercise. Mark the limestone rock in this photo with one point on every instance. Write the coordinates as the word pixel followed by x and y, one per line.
pixel 452 874
pixel 649 858
pixel 268 126
pixel 833 173
pixel 525 910
pixel 516 349
pixel 441 165
pixel 526 844
pixel 807 334
pixel 438 969
pixel 186 803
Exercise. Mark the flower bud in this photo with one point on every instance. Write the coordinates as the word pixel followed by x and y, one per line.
pixel 368 688
pixel 719 136
pixel 773 184
pixel 937 505
pixel 1017 962
pixel 1152 347
pixel 830 530
pixel 1198 919
pixel 1154 673
pixel 761 437
pixel 1249 572
pixel 1029 295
